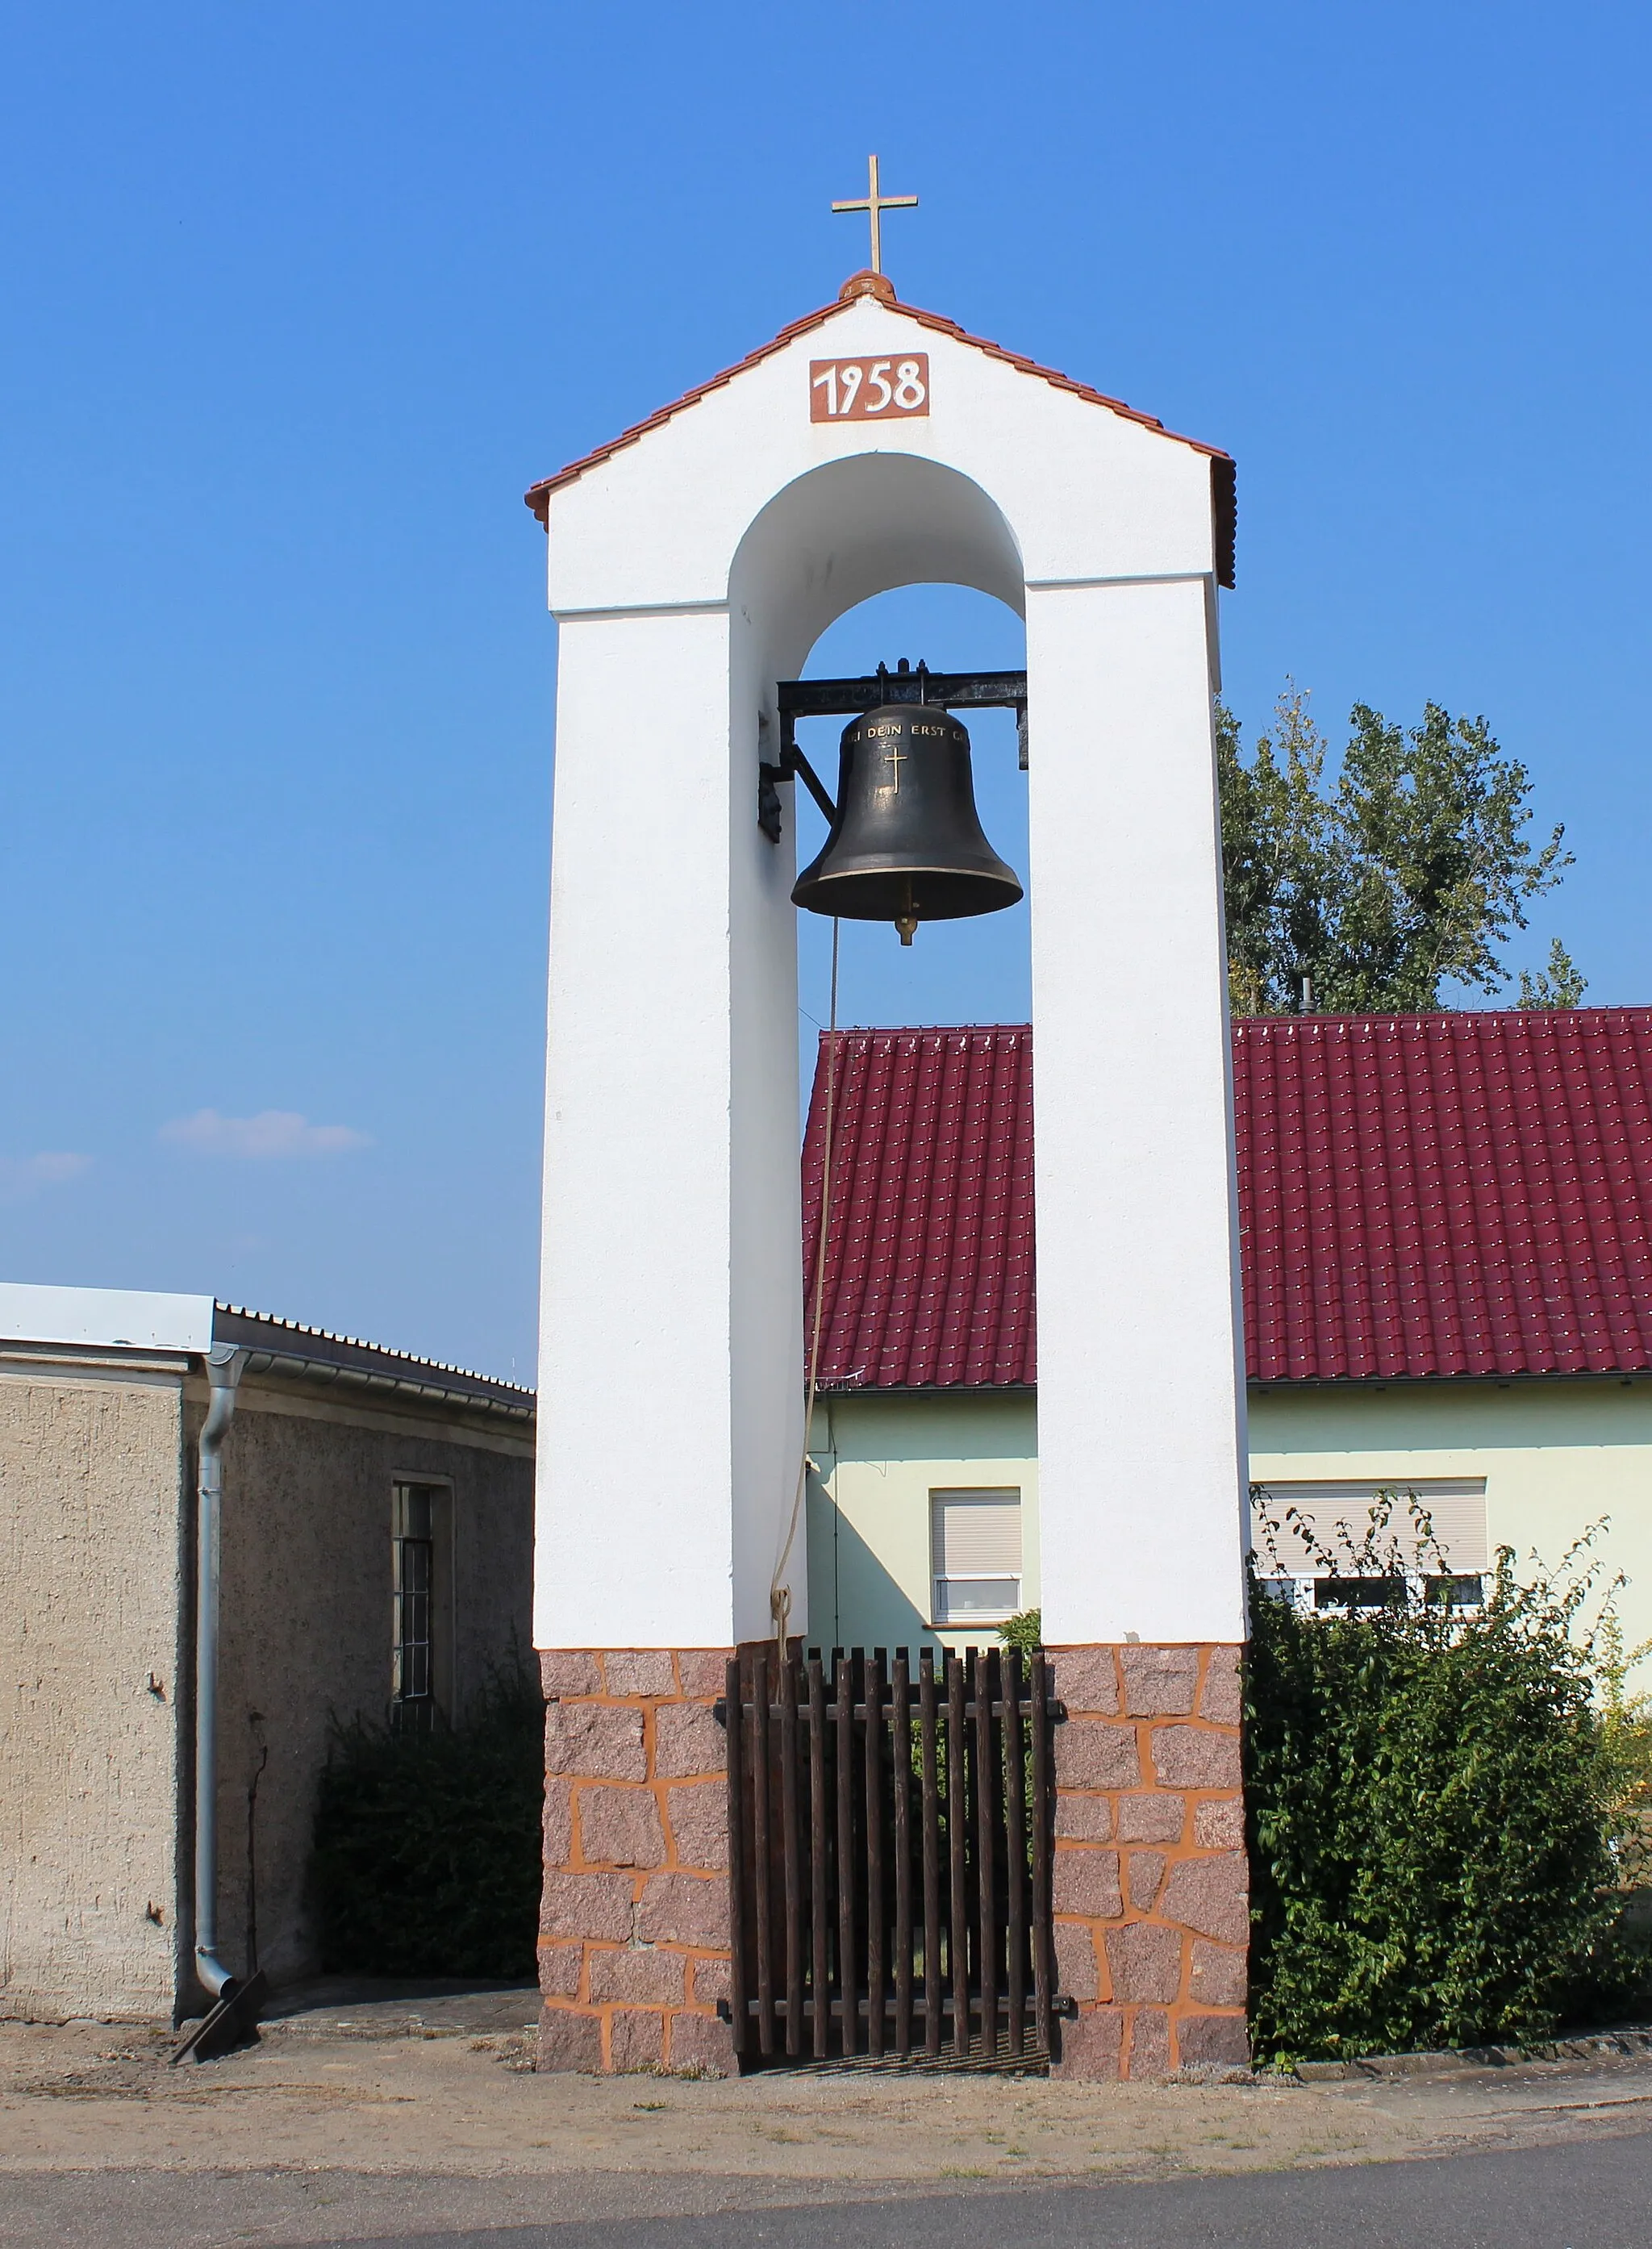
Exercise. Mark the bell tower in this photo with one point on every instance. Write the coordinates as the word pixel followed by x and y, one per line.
pixel 693 563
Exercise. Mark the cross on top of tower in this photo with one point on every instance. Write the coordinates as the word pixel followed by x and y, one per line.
pixel 875 204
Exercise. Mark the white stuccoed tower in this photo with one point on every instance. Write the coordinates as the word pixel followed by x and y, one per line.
pixel 694 563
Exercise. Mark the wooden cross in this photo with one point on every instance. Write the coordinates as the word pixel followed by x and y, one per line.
pixel 875 205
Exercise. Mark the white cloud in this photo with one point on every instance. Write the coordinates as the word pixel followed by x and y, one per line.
pixel 271 1132
pixel 21 1176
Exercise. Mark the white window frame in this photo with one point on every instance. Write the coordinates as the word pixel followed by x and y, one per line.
pixel 939 1620
pixel 1299 1585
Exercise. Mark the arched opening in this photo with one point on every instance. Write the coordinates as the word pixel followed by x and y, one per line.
pixel 958 972
pixel 864 561
pixel 857 527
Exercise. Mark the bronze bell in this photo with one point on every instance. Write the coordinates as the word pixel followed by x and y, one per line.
pixel 906 845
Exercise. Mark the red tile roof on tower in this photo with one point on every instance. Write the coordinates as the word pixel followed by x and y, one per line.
pixel 1419 1195
pixel 1222 480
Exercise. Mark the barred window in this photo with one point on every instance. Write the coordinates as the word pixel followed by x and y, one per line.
pixel 413 1613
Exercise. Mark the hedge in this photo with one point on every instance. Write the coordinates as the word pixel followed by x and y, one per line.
pixel 1441 1806
pixel 427 1856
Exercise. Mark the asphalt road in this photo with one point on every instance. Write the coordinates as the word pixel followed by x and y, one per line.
pixel 1595 2193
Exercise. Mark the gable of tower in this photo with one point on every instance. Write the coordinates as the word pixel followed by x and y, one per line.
pixel 538 496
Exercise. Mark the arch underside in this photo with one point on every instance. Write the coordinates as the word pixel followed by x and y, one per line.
pixel 858 527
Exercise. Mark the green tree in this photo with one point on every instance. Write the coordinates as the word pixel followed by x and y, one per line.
pixel 1364 894
pixel 1559 985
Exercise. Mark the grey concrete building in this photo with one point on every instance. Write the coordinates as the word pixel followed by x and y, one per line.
pixel 376 1558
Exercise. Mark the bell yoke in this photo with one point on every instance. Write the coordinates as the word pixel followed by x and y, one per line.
pixel 905 843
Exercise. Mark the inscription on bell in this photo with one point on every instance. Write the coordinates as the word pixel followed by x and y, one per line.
pixel 906 846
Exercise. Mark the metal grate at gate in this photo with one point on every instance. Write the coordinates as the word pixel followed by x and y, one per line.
pixel 890 1860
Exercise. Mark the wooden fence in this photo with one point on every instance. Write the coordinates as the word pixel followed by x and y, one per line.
pixel 890 1878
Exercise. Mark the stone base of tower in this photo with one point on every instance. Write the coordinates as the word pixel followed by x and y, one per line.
pixel 1151 1884
pixel 633 1947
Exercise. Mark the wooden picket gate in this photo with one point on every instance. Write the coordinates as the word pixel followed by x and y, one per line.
pixel 889 1867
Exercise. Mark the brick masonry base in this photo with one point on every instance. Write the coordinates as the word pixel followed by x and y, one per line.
pixel 1151 1887
pixel 633 1944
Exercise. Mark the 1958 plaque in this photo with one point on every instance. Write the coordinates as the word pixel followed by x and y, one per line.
pixel 868 389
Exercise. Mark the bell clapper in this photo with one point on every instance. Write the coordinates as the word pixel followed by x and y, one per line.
pixel 906 923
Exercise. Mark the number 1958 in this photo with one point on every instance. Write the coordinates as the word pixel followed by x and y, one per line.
pixel 868 389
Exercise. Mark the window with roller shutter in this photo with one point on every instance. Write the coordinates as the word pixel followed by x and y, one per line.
pixel 975 1555
pixel 1331 1519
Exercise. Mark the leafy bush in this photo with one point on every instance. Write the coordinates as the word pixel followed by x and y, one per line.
pixel 1025 1630
pixel 1438 1812
pixel 427 1853
pixel 1626 1722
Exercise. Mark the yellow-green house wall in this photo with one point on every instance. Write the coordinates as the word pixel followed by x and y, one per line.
pixel 877 1456
pixel 1557 1456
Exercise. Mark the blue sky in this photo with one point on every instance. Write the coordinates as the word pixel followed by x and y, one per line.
pixel 298 300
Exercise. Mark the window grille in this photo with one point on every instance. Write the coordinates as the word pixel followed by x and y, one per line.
pixel 412 1640
pixel 975 1555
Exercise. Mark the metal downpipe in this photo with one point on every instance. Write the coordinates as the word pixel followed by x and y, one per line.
pixel 225 1366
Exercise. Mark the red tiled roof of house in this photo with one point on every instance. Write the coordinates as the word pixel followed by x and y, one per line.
pixel 929 1270
pixel 1419 1195
pixel 1223 498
